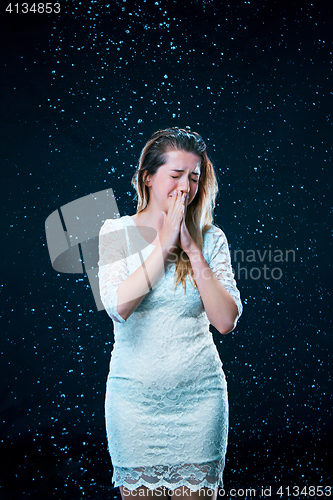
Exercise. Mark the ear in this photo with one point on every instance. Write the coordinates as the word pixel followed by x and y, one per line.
pixel 147 180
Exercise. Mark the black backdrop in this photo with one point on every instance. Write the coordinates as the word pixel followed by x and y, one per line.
pixel 81 91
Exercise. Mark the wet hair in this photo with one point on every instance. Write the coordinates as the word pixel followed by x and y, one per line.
pixel 199 215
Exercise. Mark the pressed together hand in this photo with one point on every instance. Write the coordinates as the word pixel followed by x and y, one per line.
pixel 174 230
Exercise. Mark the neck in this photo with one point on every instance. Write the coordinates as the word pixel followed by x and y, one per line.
pixel 151 218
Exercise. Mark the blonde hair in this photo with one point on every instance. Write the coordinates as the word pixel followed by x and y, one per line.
pixel 199 215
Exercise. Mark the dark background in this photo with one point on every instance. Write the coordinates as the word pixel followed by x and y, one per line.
pixel 81 92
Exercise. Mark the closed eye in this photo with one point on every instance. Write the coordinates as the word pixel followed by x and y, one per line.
pixel 176 177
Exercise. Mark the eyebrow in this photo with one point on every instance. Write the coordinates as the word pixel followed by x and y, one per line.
pixel 180 170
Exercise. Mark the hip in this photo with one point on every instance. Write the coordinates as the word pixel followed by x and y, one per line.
pixel 179 369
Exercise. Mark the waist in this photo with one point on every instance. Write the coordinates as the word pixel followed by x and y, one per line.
pixel 169 367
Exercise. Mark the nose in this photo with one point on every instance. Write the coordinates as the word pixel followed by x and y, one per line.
pixel 184 185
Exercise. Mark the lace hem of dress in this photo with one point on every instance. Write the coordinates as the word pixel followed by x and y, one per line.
pixel 194 476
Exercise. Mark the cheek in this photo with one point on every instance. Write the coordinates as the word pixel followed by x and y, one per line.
pixel 194 190
pixel 170 185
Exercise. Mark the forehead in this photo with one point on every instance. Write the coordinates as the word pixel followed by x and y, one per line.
pixel 182 160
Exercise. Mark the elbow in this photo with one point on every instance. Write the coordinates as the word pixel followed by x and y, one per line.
pixel 123 313
pixel 228 322
pixel 125 310
pixel 116 313
pixel 226 327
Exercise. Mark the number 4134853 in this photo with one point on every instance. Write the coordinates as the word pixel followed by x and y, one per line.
pixel 35 8
pixel 306 491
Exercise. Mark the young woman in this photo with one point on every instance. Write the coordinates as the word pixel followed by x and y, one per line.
pixel 165 275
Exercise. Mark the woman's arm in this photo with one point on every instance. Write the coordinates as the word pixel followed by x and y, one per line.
pixel 222 307
pixel 131 291
pixel 121 292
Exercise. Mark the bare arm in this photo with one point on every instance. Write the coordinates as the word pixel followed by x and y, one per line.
pixel 221 307
pixel 133 290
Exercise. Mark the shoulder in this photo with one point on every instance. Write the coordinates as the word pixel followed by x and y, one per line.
pixel 214 235
pixel 114 224
pixel 214 240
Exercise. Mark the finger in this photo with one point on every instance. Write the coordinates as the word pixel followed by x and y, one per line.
pixel 175 198
pixel 185 204
pixel 176 212
pixel 177 207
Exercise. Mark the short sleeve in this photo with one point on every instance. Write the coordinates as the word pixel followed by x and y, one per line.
pixel 220 264
pixel 112 265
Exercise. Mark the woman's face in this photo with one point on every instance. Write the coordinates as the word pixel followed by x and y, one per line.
pixel 180 172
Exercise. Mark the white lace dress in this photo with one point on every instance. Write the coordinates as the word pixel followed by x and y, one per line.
pixel 166 405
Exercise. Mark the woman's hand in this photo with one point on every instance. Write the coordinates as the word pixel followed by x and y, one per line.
pixel 186 241
pixel 172 220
